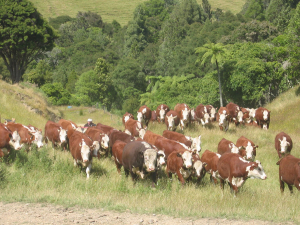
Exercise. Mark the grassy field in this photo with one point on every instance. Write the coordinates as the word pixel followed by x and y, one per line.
pixel 120 10
pixel 49 176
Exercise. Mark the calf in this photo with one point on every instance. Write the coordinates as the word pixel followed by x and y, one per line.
pixel 211 159
pixel 184 113
pixel 8 139
pixel 98 136
pixel 26 136
pixel 161 112
pixel 37 135
pixel 172 120
pixel 226 146
pixel 235 170
pixel 117 152
pixel 289 172
pixel 212 112
pixel 249 151
pixel 283 144
pixel 236 115
pixel 202 115
pixel 134 128
pixel 138 159
pixel 144 115
pixel 180 162
pixel 198 169
pixel 262 117
pixel 55 133
pixel 223 118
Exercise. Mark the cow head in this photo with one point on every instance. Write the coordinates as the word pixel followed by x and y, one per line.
pixel 193 114
pixel 85 152
pixel 250 151
pixel 161 158
pixel 223 120
pixel 140 116
pixel 95 147
pixel 212 113
pixel 104 141
pixel 240 116
pixel 150 160
pixel 284 144
pixel 235 149
pixel 185 114
pixel 196 144
pixel 199 168
pixel 255 170
pixel 162 113
pixel 171 122
pixel 187 158
pixel 38 138
pixel 142 132
pixel 62 135
pixel 266 115
pixel 15 141
pixel 206 118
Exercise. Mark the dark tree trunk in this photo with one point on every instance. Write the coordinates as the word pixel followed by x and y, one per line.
pixel 220 86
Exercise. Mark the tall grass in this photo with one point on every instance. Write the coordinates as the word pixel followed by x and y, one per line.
pixel 49 176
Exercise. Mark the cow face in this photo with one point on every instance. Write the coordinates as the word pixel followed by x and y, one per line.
pixel 265 115
pixel 162 113
pixel 140 117
pixel 62 135
pixel 223 121
pixel 171 122
pixel 240 116
pixel 233 148
pixel 284 145
pixel 161 158
pixel 212 113
pixel 196 144
pixel 187 159
pixel 256 171
pixel 38 138
pixel 250 151
pixel 199 168
pixel 252 113
pixel 142 133
pixel 185 114
pixel 15 141
pixel 206 118
pixel 85 152
pixel 104 141
pixel 150 160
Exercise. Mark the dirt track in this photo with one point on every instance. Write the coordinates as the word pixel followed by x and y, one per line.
pixel 22 213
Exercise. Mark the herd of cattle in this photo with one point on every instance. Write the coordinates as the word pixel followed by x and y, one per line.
pixel 143 153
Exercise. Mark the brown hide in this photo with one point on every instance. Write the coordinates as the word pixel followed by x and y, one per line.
pixel 133 126
pixel 176 120
pixel 117 151
pixel 177 137
pixel 151 137
pixel 211 159
pixel 147 115
pixel 128 115
pixel 168 146
pixel 165 107
pixel 25 135
pixel 277 143
pixel 259 117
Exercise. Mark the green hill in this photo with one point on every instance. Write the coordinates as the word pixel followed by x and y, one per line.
pixel 120 10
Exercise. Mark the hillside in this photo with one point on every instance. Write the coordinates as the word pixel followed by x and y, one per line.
pixel 120 10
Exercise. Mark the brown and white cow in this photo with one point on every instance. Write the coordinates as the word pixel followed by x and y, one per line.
pixel 98 136
pixel 212 111
pixel 172 120
pixel 134 128
pixel 81 148
pixel 283 144
pixel 226 146
pixel 192 143
pixel 184 113
pixel 144 115
pixel 235 112
pixel 139 159
pixel 223 118
pixel 289 172
pixel 161 112
pixel 153 116
pixel 126 117
pixel 246 117
pixel 8 139
pixel 117 152
pixel 252 113
pixel 198 169
pixel 262 117
pixel 65 125
pixel 180 163
pixel 38 135
pixel 119 135
pixel 236 170
pixel 201 115
pixel 55 133
pixel 211 159
pixel 249 151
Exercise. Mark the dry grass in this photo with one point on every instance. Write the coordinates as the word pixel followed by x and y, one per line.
pixel 120 10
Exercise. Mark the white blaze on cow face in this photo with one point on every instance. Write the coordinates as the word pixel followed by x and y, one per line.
pixel 187 159
pixel 265 126
pixel 62 135
pixel 162 113
pixel 196 144
pixel 126 118
pixel 198 166
pixel 249 152
pixel 240 116
pixel 161 158
pixel 252 113
pixel 127 132
pixel 233 148
pixel 265 115
pixel 206 118
pixel 15 141
pixel 139 116
pixel 38 139
pixel 185 114
pixel 85 152
pixel 193 114
pixel 104 141
pixel 257 172
pixel 142 133
pixel 150 160
pixel 223 121
pixel 212 112
pixel 284 145
pixel 171 121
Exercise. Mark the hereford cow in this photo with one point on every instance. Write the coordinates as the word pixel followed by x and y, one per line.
pixel 223 118
pixel 55 133
pixel 117 152
pixel 262 117
pixel 102 138
pixel 65 124
pixel 144 115
pixel 172 120
pixel 150 137
pixel 234 169
pixel 81 148
pixel 138 159
pixel 126 117
pixel 289 172
pixel 249 151
pixel 184 114
pixel 252 113
pixel 134 128
pixel 226 146
pixel 246 117
pixel 180 163
pixel 212 112
pixel 283 144
pixel 193 143
pixel 201 115
pixel 153 116
pixel 211 159
pixel 235 112
pixel 38 135
pixel 161 112
pixel 8 139
pixel 198 169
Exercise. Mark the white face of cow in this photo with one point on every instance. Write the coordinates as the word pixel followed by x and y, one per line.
pixel 104 141
pixel 150 160
pixel 185 114
pixel 126 118
pixel 222 118
pixel 206 118
pixel 85 152
pixel 284 145
pixel 249 152
pixel 62 135
pixel 187 159
pixel 240 116
pixel 257 172
pixel 161 158
pixel 162 114
pixel 15 141
pixel 142 133
pixel 171 121
pixel 233 148
pixel 265 126
pixel 196 144
pixel 198 166
pixel 139 116
pixel 212 112
pixel 265 115
pixel 38 139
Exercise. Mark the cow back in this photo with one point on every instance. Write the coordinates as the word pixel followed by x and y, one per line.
pixel 177 137
pixel 151 137
pixel 119 135
pixel 211 159
pixel 168 146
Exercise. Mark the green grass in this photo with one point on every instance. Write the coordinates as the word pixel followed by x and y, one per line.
pixel 120 10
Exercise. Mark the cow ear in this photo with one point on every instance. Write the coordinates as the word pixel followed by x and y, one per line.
pixel 179 154
pixel 256 146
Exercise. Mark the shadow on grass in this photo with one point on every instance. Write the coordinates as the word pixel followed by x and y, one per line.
pixel 297 92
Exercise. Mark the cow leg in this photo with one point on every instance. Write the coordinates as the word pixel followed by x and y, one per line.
pixel 88 170
pixel 119 166
pixel 126 172
pixel 180 177
pixel 222 184
pixel 75 163
pixel 291 188
pixel 154 178
pixel 281 185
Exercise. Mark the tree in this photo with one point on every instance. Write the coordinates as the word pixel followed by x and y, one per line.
pixel 24 34
pixel 215 52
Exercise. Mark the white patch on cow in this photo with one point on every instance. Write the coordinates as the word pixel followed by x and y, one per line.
pixel 162 113
pixel 139 125
pixel 189 138
pixel 185 172
pixel 144 110
pixel 243 160
pixel 196 144
pixel 193 114
pixel 183 145
pixel 224 112
pixel 257 172
pixel 240 116
pixel 212 112
pixel 283 145
pixel 127 132
pixel 38 139
pixel 140 117
pixel 96 147
pixel 88 170
pixel 142 133
pixel 171 122
pixel 185 114
pixel 249 151
pixel 85 152
pixel 233 148
pixel 198 166
pixel 223 122
pixel 126 118
pixel 161 159
pixel 252 113
pixel 187 159
pixel 15 141
pixel 265 115
pixel 237 181
pixel 147 145
pixel 219 156
pixel 150 159
pixel 73 126
pixel 62 135
pixel 265 126
pixel 5 151
pixel 105 141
